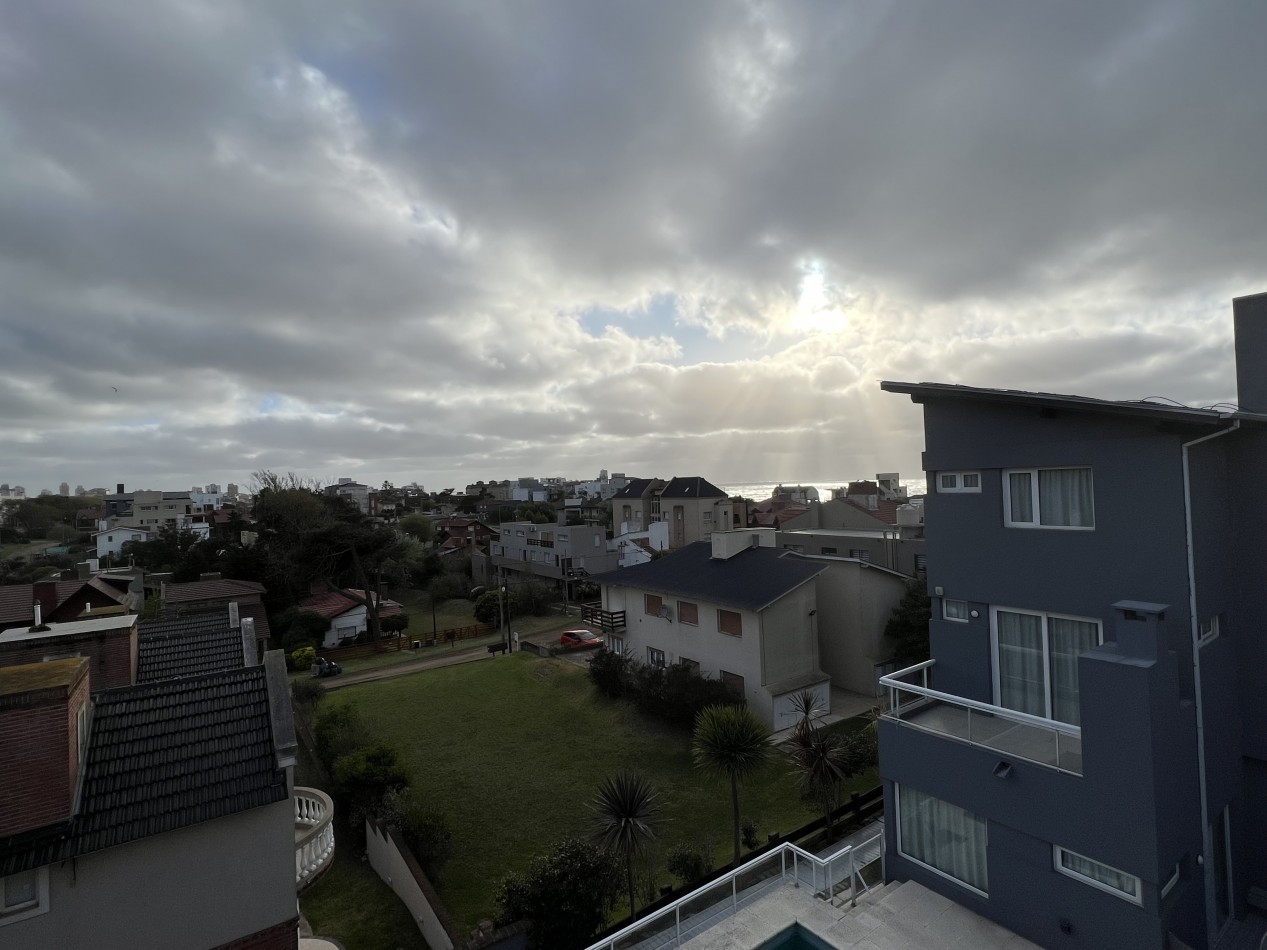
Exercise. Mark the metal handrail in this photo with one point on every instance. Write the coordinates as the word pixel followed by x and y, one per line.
pixel 893 682
pixel 782 853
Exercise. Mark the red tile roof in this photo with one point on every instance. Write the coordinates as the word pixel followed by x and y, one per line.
pixel 333 603
pixel 223 589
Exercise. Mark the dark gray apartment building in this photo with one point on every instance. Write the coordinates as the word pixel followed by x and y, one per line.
pixel 1084 757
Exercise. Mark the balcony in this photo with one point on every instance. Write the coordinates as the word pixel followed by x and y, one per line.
pixel 314 834
pixel 610 620
pixel 1056 745
pixel 541 542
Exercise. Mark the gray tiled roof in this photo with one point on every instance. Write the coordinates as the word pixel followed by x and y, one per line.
pixel 221 589
pixel 187 646
pixel 750 580
pixel 693 487
pixel 164 756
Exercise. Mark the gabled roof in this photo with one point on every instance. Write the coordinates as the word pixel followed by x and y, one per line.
pixel 635 488
pixel 332 603
pixel 919 392
pixel 750 580
pixel 221 589
pixel 692 487
pixel 187 646
pixel 17 600
pixel 164 756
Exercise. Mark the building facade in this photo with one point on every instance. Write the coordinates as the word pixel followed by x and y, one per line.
pixel 1084 757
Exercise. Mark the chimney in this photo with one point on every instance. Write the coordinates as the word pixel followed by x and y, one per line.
pixel 234 621
pixel 45 594
pixel 43 708
pixel 1249 317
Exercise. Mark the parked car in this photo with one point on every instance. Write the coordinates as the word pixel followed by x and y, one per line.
pixel 579 639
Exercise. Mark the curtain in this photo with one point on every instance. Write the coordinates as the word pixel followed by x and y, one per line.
pixel 1064 497
pixel 1067 639
pixel 1020 498
pixel 943 836
pixel 1022 681
pixel 1101 873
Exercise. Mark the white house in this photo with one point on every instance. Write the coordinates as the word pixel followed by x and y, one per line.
pixel 347 615
pixel 111 541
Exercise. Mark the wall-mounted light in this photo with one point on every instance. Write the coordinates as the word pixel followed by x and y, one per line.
pixel 974 614
pixel 939 591
pixel 1003 769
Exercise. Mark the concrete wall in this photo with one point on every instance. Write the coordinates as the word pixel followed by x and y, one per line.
pixel 401 873
pixel 196 888
pixel 854 605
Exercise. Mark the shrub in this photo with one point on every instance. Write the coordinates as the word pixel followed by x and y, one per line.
pixel 306 695
pixel 450 586
pixel 690 862
pixel 609 671
pixel 750 834
pixel 394 624
pixel 362 779
pixel 486 610
pixel 339 732
pixel 567 893
pixel 424 829
pixel 303 628
pixel 303 658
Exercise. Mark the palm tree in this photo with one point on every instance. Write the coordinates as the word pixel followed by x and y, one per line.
pixel 627 812
pixel 730 741
pixel 826 760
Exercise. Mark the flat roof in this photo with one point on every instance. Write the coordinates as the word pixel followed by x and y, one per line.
pixel 919 392
pixel 92 625
pixel 33 677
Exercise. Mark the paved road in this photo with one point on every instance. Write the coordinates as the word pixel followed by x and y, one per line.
pixel 447 658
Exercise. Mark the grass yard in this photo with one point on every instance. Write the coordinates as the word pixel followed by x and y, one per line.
pixel 352 904
pixel 511 751
pixel 416 605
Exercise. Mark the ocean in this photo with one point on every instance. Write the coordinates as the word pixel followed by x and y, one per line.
pixel 760 491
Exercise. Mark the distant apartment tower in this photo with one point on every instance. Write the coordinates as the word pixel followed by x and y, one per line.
pixel 64 489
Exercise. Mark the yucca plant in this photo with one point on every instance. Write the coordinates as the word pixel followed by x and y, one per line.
pixel 627 813
pixel 731 742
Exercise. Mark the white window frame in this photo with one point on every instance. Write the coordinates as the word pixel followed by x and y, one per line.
pixel 897 794
pixel 656 657
pixel 946 613
pixel 682 619
pixel 615 644
pixel 1060 867
pixel 30 908
pixel 1046 616
pixel 1208 630
pixel 1033 493
pixel 953 482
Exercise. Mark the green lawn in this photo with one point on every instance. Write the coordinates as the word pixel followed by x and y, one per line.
pixel 352 904
pixel 512 750
pixel 416 605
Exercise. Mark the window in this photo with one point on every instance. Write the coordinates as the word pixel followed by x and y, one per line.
pixel 1101 876
pixel 616 644
pixel 861 554
pixel 733 681
pixel 943 837
pixel 1048 498
pixel 959 481
pixel 830 551
pixel 688 612
pixel 921 563
pixel 23 895
pixel 708 517
pixel 1208 629
pixel 651 604
pixel 728 621
pixel 692 665
pixel 655 657
pixel 954 610
pixel 1036 661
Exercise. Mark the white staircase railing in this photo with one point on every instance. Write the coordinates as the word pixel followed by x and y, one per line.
pixel 314 834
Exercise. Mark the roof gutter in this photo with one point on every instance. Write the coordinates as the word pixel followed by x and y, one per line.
pixel 1207 844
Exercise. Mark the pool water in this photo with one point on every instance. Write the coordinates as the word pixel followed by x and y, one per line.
pixel 795 937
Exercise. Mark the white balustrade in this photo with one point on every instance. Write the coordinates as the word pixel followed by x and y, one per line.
pixel 314 834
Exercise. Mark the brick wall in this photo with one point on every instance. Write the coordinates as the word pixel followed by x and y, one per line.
pixel 283 936
pixel 39 749
pixel 112 655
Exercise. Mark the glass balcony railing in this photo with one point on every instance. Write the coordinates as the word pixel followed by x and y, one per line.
pixel 1018 735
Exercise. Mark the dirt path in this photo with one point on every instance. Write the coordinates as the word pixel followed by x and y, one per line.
pixel 452 658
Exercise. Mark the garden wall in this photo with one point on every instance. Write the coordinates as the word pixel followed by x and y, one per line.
pixel 392 860
pixel 395 864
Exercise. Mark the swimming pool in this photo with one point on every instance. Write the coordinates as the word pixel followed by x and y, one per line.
pixel 795 937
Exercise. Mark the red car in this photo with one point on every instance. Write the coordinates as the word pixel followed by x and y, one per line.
pixel 578 639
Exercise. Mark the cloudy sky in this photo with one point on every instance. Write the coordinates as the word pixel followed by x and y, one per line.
pixel 393 239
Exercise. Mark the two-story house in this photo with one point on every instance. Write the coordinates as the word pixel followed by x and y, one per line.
pixel 1084 757
pixel 554 554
